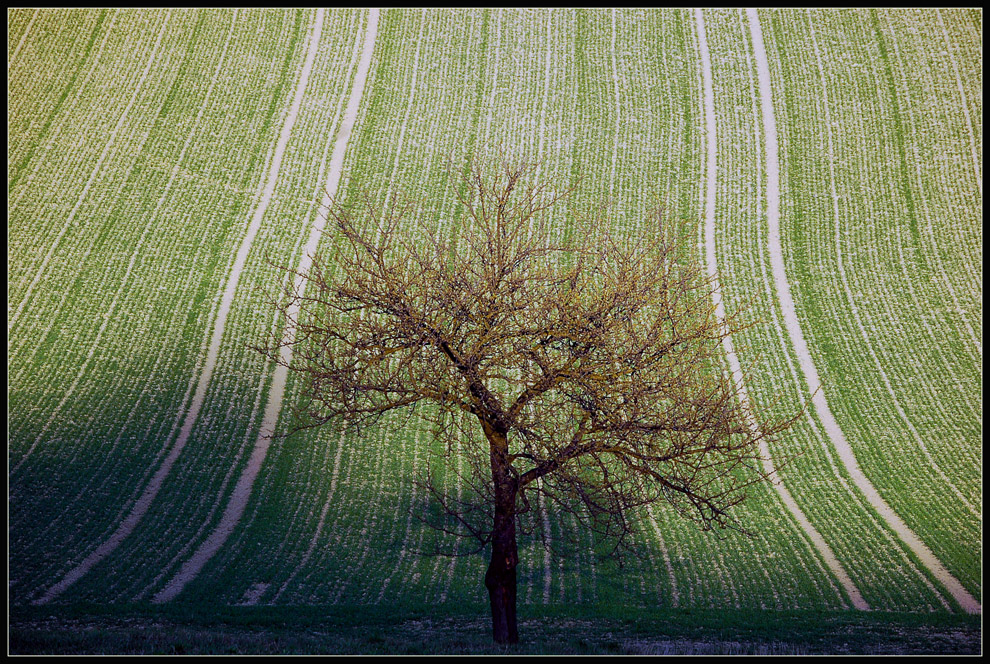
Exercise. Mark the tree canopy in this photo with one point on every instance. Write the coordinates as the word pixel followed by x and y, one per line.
pixel 575 368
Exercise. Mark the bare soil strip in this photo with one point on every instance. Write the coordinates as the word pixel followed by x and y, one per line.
pixel 154 485
pixel 242 490
pixel 842 446
pixel 736 369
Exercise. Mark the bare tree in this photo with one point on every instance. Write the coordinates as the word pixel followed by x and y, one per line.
pixel 583 370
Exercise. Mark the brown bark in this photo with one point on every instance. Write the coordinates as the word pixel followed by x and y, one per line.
pixel 500 579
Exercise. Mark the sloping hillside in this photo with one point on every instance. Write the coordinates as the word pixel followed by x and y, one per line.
pixel 161 161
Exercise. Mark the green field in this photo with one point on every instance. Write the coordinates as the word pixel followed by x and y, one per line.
pixel 160 161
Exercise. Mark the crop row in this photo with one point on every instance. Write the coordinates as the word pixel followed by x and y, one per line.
pixel 814 475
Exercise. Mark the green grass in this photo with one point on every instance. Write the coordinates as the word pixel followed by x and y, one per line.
pixel 184 629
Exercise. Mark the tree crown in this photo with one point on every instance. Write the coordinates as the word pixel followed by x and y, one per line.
pixel 592 365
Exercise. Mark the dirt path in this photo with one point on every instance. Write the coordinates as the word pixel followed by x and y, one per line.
pixel 242 490
pixel 793 327
pixel 734 365
pixel 142 504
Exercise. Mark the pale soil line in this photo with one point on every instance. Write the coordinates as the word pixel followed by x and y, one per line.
pixel 90 65
pixel 844 449
pixel 937 255
pixel 618 112
pixel 547 71
pixel 664 552
pixel 974 150
pixel 545 517
pixel 849 295
pixel 20 44
pixel 497 18
pixel 353 25
pixel 421 45
pixel 547 542
pixel 409 105
pixel 445 572
pixel 711 174
pixel 214 507
pixel 820 435
pixel 725 579
pixel 166 570
pixel 675 595
pixel 242 490
pixel 175 171
pixel 404 551
pixel 334 475
pixel 451 566
pixel 363 538
pixel 766 280
pixel 355 53
pixel 142 504
pixel 545 537
pixel 499 15
pixel 965 107
pixel 108 315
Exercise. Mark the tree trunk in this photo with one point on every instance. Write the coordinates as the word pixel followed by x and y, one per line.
pixel 501 579
pixel 501 576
